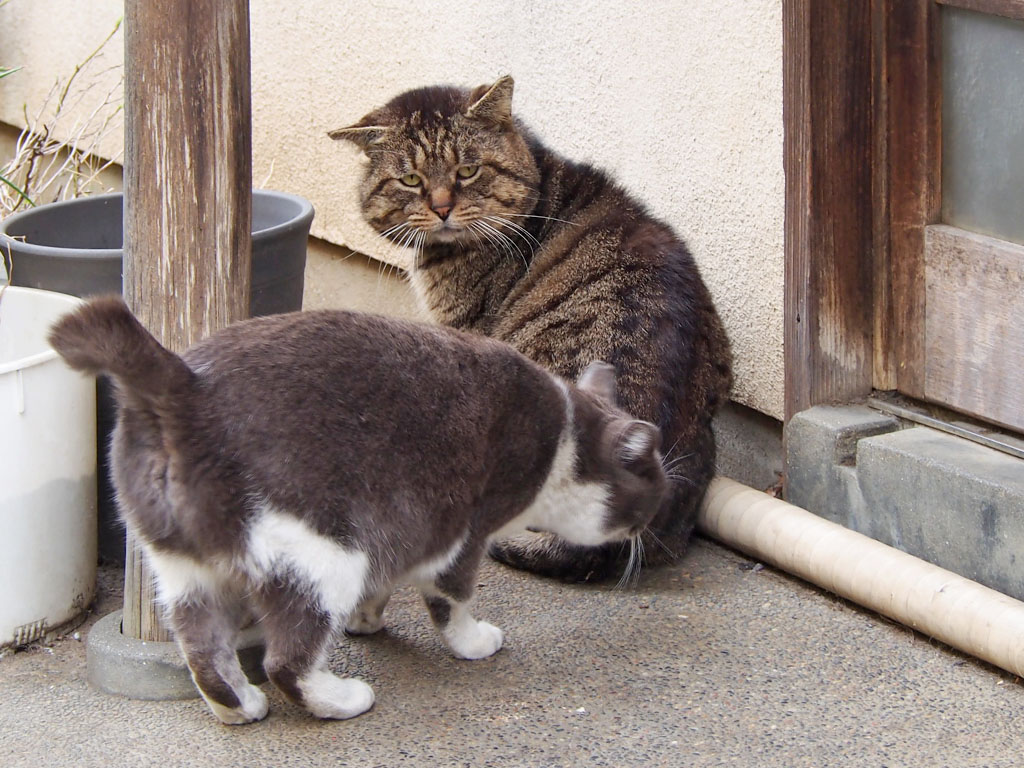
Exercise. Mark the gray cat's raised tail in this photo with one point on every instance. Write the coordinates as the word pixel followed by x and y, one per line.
pixel 103 336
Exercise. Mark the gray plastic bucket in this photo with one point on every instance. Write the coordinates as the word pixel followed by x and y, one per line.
pixel 75 247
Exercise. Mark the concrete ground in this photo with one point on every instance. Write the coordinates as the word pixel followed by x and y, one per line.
pixel 717 661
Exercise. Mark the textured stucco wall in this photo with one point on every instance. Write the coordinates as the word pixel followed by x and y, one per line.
pixel 681 101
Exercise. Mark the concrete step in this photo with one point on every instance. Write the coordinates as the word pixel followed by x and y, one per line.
pixel 939 497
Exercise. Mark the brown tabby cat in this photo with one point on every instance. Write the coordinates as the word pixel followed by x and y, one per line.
pixel 515 242
pixel 294 468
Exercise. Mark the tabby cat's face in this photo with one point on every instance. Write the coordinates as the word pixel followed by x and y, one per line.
pixel 445 165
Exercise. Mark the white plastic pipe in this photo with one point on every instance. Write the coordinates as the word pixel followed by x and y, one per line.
pixel 957 611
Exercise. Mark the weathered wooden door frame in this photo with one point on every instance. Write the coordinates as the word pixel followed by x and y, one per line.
pixel 862 154
pixel 830 238
pixel 862 158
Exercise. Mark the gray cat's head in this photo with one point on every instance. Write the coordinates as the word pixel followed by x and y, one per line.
pixel 445 164
pixel 621 453
pixel 608 480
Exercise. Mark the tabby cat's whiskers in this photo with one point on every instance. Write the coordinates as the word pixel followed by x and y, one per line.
pixel 417 247
pixel 393 232
pixel 498 239
pixel 538 216
pixel 528 238
pixel 506 241
pixel 660 543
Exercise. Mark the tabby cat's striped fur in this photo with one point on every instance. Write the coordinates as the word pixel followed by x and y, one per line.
pixel 514 241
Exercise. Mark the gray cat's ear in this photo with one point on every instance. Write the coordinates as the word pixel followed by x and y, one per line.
pixel 637 444
pixel 493 103
pixel 364 136
pixel 598 379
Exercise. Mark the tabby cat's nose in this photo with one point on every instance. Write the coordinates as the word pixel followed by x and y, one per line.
pixel 441 202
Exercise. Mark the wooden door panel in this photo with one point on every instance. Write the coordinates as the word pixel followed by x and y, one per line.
pixel 974 324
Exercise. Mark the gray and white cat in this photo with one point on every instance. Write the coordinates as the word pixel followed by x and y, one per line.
pixel 294 468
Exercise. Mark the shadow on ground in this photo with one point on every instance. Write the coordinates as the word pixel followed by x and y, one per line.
pixel 716 661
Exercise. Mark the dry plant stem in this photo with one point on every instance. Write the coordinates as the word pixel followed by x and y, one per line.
pixel 8 267
pixel 46 168
pixel 67 84
pixel 70 164
pixel 936 602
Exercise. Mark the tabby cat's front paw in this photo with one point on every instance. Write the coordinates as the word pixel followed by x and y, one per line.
pixel 475 640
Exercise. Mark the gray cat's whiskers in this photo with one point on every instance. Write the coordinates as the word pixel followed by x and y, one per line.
pixel 668 453
pixel 670 468
pixel 639 558
pixel 675 460
pixel 675 477
pixel 670 465
pixel 631 575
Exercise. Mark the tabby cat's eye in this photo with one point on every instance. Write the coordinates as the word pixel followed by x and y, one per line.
pixel 411 180
pixel 467 171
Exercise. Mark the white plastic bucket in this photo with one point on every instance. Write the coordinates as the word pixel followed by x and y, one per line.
pixel 47 473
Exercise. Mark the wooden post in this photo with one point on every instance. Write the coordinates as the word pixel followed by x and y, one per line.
pixel 187 191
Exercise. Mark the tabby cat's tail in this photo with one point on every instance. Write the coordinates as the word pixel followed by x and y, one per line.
pixel 665 540
pixel 103 336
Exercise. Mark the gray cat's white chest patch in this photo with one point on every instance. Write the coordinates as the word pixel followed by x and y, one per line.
pixel 574 510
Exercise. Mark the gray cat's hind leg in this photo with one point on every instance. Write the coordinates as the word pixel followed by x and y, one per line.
pixel 206 634
pixel 299 634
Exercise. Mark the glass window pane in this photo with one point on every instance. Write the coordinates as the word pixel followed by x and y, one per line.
pixel 983 123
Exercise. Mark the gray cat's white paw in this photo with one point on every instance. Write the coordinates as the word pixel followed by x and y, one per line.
pixel 328 696
pixel 475 640
pixel 364 623
pixel 253 707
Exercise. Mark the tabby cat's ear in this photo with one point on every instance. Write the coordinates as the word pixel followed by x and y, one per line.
pixel 598 379
pixel 364 136
pixel 493 103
